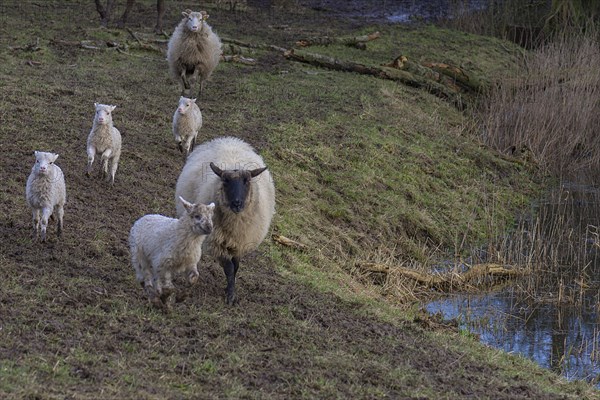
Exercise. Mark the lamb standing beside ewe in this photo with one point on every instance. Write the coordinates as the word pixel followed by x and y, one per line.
pixel 46 192
pixel 187 121
pixel 193 52
pixel 161 245
pixel 104 139
pixel 228 172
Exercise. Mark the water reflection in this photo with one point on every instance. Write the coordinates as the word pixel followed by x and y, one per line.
pixel 564 338
pixel 552 315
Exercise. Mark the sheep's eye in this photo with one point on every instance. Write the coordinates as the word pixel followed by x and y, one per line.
pixel 51 162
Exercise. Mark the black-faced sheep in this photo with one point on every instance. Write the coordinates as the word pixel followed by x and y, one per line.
pixel 161 245
pixel 193 52
pixel 104 139
pixel 228 172
pixel 187 121
pixel 46 192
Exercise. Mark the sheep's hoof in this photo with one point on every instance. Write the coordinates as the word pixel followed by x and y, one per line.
pixel 193 277
pixel 180 147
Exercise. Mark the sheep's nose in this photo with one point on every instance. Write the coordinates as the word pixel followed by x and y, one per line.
pixel 101 120
pixel 236 205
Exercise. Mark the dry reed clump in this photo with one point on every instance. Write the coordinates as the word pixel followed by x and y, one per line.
pixel 550 107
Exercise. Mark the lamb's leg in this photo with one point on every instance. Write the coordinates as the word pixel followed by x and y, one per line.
pixel 36 223
pixel 193 275
pixel 229 268
pixel 91 152
pixel 168 289
pixel 60 212
pixel 105 157
pixel 114 164
pixel 46 212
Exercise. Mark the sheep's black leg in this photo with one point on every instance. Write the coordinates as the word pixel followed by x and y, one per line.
pixel 229 267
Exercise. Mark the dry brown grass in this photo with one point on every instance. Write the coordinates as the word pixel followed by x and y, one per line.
pixel 550 107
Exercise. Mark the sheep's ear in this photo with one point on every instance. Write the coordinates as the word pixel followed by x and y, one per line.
pixel 112 108
pixel 211 206
pixel 188 206
pixel 258 171
pixel 35 153
pixel 95 105
pixel 193 100
pixel 216 170
pixel 53 157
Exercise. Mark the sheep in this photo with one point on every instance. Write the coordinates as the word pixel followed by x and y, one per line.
pixel 46 192
pixel 104 139
pixel 160 246
pixel 242 189
pixel 187 121
pixel 193 51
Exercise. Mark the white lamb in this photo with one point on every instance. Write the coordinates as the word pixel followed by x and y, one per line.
pixel 187 121
pixel 194 51
pixel 46 192
pixel 104 139
pixel 161 245
pixel 228 172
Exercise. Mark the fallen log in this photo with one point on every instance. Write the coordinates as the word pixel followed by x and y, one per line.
pixel 352 41
pixel 382 72
pixel 468 80
pixel 473 275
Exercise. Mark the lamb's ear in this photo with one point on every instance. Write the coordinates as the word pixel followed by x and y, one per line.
pixel 188 206
pixel 95 105
pixel 193 100
pixel 211 206
pixel 258 171
pixel 216 169
pixel 35 153
pixel 112 108
pixel 53 157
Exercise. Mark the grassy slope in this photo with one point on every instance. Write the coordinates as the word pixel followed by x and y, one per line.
pixel 364 169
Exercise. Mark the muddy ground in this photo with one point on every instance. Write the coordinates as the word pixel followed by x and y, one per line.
pixel 74 324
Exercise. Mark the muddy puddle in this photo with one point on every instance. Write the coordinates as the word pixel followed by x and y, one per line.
pixel 553 315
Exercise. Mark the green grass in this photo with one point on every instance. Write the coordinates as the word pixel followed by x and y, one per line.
pixel 364 169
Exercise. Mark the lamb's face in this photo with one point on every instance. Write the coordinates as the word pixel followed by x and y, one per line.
pixel 236 186
pixel 43 162
pixel 194 20
pixel 202 216
pixel 184 104
pixel 103 113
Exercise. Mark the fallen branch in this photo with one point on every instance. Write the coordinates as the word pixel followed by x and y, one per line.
pixel 287 242
pixel 236 58
pixel 353 41
pixel 254 45
pixel 476 273
pixel 142 44
pixel 382 72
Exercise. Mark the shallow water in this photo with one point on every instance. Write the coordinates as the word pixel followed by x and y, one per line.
pixel 552 316
pixel 393 11
pixel 564 338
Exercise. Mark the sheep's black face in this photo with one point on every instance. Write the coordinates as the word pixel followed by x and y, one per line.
pixel 236 185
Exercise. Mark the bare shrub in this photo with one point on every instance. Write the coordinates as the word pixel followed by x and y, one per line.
pixel 550 107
